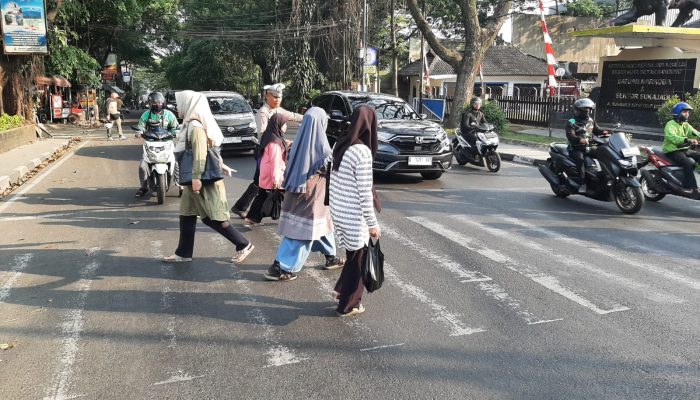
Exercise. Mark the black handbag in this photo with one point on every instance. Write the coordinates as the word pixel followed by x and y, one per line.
pixel 373 266
pixel 212 167
pixel 272 206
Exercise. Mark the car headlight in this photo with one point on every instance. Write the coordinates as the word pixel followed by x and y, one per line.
pixel 384 136
pixel 252 125
pixel 387 148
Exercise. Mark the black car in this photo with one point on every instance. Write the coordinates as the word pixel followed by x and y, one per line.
pixel 407 141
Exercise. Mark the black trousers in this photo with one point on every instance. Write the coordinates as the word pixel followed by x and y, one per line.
pixel 255 213
pixel 188 227
pixel 579 156
pixel 350 285
pixel 244 202
pixel 687 160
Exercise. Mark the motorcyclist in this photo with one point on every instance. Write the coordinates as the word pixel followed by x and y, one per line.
pixel 471 120
pixel 579 130
pixel 679 135
pixel 156 117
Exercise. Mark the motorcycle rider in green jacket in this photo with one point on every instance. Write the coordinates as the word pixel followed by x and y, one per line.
pixel 679 135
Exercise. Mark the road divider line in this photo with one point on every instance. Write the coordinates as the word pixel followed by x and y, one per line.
pixel 647 290
pixel 548 281
pixel 71 330
pixel 19 263
pixel 41 177
pixel 386 346
pixel 612 253
pixel 490 289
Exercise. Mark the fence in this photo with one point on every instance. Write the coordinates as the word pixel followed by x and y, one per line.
pixel 535 110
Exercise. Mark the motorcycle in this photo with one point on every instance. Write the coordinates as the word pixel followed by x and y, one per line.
pixel 663 177
pixel 482 153
pixel 159 153
pixel 611 172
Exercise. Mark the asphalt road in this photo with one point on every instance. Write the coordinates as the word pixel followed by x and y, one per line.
pixel 495 289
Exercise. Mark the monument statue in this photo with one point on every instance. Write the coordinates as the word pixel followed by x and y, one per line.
pixel 641 8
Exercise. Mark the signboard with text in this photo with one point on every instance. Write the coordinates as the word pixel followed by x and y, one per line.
pixel 23 26
pixel 628 87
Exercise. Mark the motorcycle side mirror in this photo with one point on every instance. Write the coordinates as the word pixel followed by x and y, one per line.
pixel 423 116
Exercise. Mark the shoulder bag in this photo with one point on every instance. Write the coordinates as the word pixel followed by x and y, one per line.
pixel 212 168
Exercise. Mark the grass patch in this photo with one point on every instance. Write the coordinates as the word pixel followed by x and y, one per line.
pixel 526 137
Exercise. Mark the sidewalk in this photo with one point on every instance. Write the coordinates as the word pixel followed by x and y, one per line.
pixel 536 153
pixel 18 164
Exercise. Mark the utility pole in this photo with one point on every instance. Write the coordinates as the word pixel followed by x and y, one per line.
pixel 364 45
pixel 394 56
pixel 422 71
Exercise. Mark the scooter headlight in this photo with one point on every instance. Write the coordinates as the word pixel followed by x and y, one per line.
pixel 629 162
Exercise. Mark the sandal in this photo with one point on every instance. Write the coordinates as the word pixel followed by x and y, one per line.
pixel 176 259
pixel 355 311
pixel 242 254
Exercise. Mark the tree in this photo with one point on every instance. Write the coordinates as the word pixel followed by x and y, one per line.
pixel 478 31
pixel 589 8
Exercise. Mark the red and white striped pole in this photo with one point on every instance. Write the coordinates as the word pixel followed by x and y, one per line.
pixel 549 51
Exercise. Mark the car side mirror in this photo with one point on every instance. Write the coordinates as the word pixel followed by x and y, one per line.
pixel 337 115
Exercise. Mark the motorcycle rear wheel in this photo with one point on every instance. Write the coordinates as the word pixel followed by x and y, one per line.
pixel 493 161
pixel 160 189
pixel 630 199
pixel 649 193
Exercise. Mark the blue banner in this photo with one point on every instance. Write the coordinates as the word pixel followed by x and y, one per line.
pixel 24 26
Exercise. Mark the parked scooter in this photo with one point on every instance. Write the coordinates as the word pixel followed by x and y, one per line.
pixel 611 172
pixel 663 177
pixel 159 153
pixel 483 153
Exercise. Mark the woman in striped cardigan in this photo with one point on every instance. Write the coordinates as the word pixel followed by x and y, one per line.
pixel 352 205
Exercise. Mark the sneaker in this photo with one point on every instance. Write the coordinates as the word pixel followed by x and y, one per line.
pixel 110 138
pixel 276 273
pixel 238 212
pixel 122 137
pixel 141 192
pixel 242 254
pixel 582 188
pixel 333 262
pixel 355 311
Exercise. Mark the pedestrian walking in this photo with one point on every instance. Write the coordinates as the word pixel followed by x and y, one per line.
pixel 272 161
pixel 272 106
pixel 206 201
pixel 112 106
pixel 305 223
pixel 352 204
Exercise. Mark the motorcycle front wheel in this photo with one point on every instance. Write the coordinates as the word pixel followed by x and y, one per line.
pixel 649 193
pixel 493 161
pixel 160 187
pixel 629 199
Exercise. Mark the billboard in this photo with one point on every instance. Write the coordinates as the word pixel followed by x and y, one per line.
pixel 23 26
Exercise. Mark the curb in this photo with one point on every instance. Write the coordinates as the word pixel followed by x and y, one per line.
pixel 20 174
pixel 521 159
pixel 540 146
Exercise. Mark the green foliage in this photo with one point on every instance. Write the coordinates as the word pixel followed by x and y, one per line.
pixel 664 112
pixel 494 115
pixel 589 8
pixel 70 61
pixel 10 121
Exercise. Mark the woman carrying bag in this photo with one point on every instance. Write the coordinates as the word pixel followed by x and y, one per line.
pixel 206 201
pixel 272 161
pixel 352 204
pixel 305 224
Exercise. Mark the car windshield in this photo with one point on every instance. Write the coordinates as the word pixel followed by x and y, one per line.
pixel 386 108
pixel 228 105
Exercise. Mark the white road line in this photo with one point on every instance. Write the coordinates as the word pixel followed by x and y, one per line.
pixel 386 346
pixel 490 289
pixel 40 178
pixel 613 253
pixel 277 354
pixel 71 329
pixel 63 214
pixel 647 290
pixel 548 281
pixel 179 377
pixel 19 264
pixel 440 312
pixel 166 298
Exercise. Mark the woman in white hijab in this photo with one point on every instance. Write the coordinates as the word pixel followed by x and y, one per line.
pixel 205 201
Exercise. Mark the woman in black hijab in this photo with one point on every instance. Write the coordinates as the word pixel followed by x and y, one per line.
pixel 272 161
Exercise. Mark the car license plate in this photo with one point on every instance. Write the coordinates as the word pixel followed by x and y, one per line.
pixel 420 160
pixel 631 151
pixel 234 139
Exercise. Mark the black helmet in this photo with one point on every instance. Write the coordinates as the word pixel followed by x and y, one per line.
pixel 156 100
pixel 474 100
pixel 584 107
